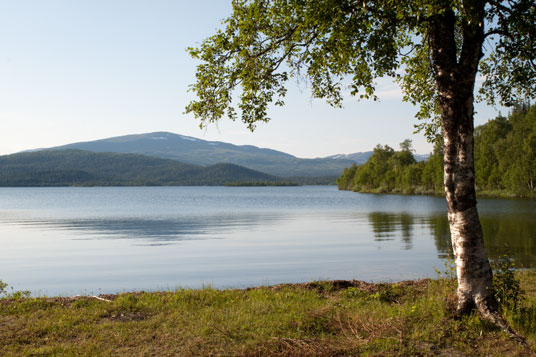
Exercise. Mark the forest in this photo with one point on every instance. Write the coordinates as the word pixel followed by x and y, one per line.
pixel 85 168
pixel 505 162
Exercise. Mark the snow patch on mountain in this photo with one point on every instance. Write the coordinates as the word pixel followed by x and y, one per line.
pixel 339 156
pixel 188 138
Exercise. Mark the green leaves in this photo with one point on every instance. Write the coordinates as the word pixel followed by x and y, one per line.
pixel 385 171
pixel 510 68
pixel 505 153
pixel 334 44
pixel 343 46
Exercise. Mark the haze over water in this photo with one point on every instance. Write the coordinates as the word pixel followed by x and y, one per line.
pixel 66 241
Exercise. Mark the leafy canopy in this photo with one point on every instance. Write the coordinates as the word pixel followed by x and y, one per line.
pixel 345 45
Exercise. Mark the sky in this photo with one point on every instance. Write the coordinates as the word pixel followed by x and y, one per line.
pixel 79 70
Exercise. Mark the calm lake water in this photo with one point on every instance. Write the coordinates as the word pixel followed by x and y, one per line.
pixel 66 241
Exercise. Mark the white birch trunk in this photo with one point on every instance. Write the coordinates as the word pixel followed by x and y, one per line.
pixel 475 277
pixel 455 74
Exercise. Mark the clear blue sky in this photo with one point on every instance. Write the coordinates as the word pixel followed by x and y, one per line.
pixel 78 70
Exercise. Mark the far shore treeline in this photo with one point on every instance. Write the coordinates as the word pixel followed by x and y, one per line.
pixel 505 162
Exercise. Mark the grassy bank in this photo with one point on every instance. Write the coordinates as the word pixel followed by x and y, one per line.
pixel 321 318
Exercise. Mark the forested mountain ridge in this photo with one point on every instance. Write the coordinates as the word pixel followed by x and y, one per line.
pixel 85 168
pixel 201 152
pixel 195 151
pixel 505 162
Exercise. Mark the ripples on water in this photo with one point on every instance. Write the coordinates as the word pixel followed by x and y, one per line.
pixel 82 240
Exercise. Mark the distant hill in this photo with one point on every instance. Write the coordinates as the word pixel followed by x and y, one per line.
pixel 361 157
pixel 421 157
pixel 358 157
pixel 84 168
pixel 201 152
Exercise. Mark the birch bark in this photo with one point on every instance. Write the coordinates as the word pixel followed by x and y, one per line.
pixel 455 74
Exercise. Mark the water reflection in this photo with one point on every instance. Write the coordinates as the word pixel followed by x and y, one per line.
pixel 67 240
pixel 513 235
pixel 156 231
pixel 385 227
pixel 440 231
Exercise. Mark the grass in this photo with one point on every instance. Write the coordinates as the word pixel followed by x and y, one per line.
pixel 319 318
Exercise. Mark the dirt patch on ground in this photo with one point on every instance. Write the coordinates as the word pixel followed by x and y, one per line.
pixel 337 285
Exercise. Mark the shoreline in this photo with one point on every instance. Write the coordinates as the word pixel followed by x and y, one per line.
pixel 322 318
pixel 479 194
pixel 336 286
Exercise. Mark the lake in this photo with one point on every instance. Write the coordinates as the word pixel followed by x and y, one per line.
pixel 78 240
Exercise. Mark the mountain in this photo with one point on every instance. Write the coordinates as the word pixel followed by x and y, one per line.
pixel 201 152
pixel 358 157
pixel 421 157
pixel 361 157
pixel 84 168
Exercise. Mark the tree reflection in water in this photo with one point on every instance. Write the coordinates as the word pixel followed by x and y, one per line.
pixel 513 235
pixel 506 234
pixel 386 225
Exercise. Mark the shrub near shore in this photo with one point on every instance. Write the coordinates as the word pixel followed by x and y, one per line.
pixel 319 318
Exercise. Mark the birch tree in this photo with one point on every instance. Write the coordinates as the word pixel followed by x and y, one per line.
pixel 435 49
